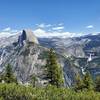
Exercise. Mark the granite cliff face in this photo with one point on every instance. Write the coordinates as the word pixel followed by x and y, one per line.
pixel 25 61
pixel 24 54
pixel 21 37
pixel 65 46
pixel 27 36
pixel 28 58
pixel 84 50
pixel 76 46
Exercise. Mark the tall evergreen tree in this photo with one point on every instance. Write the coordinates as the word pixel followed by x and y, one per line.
pixel 97 84
pixel 33 80
pixel 9 76
pixel 54 72
pixel 78 83
pixel 88 82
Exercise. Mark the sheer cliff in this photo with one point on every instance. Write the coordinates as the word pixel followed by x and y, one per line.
pixel 28 58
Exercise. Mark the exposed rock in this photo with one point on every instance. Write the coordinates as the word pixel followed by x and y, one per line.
pixel 76 46
pixel 30 60
pixel 66 47
pixel 25 61
pixel 31 37
pixel 27 36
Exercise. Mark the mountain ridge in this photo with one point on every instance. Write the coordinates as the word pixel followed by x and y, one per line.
pixel 30 57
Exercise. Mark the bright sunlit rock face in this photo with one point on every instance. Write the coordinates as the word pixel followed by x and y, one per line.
pixel 27 36
pixel 30 36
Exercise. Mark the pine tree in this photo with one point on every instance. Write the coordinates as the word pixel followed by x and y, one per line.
pixel 9 76
pixel 97 84
pixel 88 82
pixel 78 83
pixel 54 73
pixel 33 80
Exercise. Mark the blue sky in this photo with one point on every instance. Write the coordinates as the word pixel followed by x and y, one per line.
pixel 78 16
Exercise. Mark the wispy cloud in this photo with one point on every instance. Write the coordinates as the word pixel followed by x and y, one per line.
pixel 89 26
pixel 42 25
pixel 46 30
pixel 6 29
pixel 42 33
pixel 6 32
pixel 53 30
pixel 58 28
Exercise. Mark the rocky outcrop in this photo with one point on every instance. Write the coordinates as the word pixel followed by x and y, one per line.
pixel 65 46
pixel 28 57
pixel 25 61
pixel 27 36
pixel 79 47
pixel 20 37
pixel 30 60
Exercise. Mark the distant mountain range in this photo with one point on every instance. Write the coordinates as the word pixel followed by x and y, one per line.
pixel 27 54
pixel 76 46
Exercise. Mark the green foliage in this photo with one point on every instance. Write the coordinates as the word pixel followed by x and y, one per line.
pixel 97 84
pixel 8 76
pixel 78 83
pixel 33 80
pixel 15 92
pixel 88 82
pixel 20 92
pixel 54 72
pixel 85 83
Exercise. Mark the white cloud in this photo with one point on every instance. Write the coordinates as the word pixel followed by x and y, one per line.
pixel 45 30
pixel 90 26
pixel 8 32
pixel 42 33
pixel 58 28
pixel 6 29
pixel 42 25
pixel 55 30
pixel 39 32
pixel 54 27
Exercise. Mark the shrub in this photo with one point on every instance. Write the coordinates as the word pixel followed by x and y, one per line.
pixel 12 91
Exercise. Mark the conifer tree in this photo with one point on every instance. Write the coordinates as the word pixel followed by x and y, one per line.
pixel 78 83
pixel 54 72
pixel 9 76
pixel 88 82
pixel 97 84
pixel 33 80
